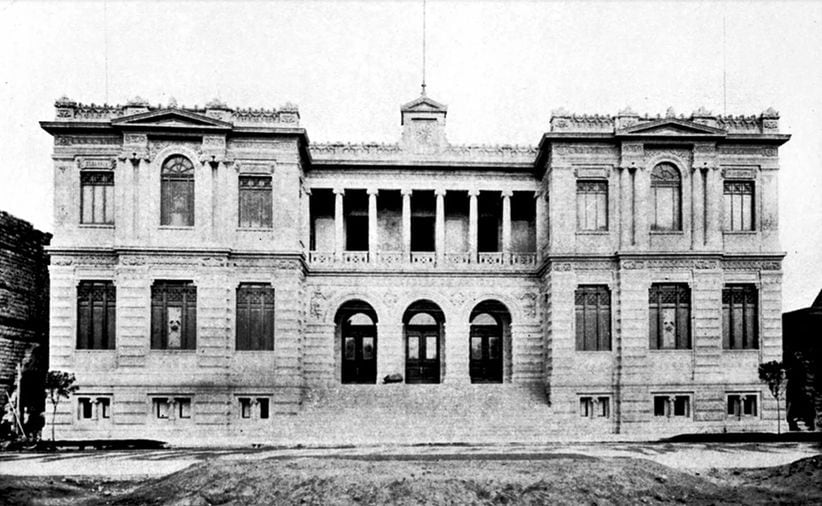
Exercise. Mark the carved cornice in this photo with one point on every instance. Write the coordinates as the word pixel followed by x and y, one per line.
pixel 395 153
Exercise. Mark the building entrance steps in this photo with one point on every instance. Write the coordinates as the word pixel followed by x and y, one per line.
pixel 361 414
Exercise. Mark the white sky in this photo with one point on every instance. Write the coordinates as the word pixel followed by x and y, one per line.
pixel 500 67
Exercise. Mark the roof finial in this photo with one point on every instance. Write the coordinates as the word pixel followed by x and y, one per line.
pixel 422 91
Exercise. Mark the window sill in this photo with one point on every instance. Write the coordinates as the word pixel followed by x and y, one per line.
pixel 598 352
pixel 254 351
pixel 94 350
pixel 593 232
pixel 740 232
pixel 171 227
pixel 667 232
pixel 670 350
pixel 173 351
pixel 105 226
pixel 738 350
pixel 255 229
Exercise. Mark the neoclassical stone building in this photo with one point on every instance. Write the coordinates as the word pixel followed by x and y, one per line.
pixel 215 274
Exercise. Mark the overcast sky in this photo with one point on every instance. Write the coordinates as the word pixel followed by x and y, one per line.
pixel 500 67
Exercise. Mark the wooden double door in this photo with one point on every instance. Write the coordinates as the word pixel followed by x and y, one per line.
pixel 359 354
pixel 422 354
pixel 486 354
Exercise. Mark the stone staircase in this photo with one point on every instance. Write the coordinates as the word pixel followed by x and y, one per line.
pixel 422 414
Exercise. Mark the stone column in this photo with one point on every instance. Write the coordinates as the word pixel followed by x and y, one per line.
pixel 439 230
pixel 625 208
pixel 124 212
pixel 372 223
pixel 472 224
pixel 506 223
pixel 539 222
pixel 697 210
pixel 406 224
pixel 642 208
pixel 339 247
pixel 713 193
pixel 307 221
pixel 455 358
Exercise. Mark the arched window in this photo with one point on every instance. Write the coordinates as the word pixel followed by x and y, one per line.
pixel 422 319
pixel 177 192
pixel 666 197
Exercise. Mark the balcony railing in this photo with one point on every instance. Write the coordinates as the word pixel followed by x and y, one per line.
pixel 422 260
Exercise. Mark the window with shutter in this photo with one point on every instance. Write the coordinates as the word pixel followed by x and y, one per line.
pixel 666 194
pixel 255 202
pixel 670 316
pixel 740 317
pixel 592 205
pixel 255 317
pixel 173 315
pixel 97 197
pixel 739 205
pixel 593 318
pixel 177 192
pixel 96 315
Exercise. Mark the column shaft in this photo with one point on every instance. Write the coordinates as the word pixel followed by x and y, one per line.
pixel 372 223
pixel 539 222
pixel 339 247
pixel 406 224
pixel 439 231
pixel 472 224
pixel 506 222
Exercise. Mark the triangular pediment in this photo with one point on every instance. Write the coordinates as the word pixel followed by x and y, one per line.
pixel 671 127
pixel 424 104
pixel 170 118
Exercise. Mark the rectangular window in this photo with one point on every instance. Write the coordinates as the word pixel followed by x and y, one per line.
pixel 96 315
pixel 104 404
pixel 97 197
pixel 742 405
pixel 595 406
pixel 669 316
pixel 672 405
pixel 255 202
pixel 183 407
pixel 86 406
pixel 245 407
pixel 739 205
pixel 263 403
pixel 740 317
pixel 592 205
pixel 255 317
pixel 173 315
pixel 593 318
pixel 160 408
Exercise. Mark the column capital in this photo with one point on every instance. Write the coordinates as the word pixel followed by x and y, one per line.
pixel 440 192
pixel 372 191
pixel 538 194
pixel 406 191
pixel 307 190
pixel 507 193
pixel 473 192
pixel 338 190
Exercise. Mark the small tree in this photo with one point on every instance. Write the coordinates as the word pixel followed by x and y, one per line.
pixel 58 384
pixel 773 374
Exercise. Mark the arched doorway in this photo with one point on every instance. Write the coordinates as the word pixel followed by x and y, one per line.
pixel 487 345
pixel 357 329
pixel 423 342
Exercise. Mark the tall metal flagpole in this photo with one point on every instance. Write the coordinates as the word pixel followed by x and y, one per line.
pixel 423 47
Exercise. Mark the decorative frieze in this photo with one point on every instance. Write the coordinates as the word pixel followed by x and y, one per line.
pixel 592 172
pixel 748 150
pixel 97 140
pixel 737 173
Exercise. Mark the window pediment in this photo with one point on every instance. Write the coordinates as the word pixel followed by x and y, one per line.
pixel 174 118
pixel 671 127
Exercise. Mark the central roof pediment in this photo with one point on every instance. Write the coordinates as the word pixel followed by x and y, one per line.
pixel 170 118
pixel 671 127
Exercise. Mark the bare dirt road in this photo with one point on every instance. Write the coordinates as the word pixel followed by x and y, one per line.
pixel 565 475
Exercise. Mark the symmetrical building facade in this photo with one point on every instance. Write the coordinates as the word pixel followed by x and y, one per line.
pixel 216 274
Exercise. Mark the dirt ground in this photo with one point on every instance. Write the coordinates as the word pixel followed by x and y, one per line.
pixel 560 479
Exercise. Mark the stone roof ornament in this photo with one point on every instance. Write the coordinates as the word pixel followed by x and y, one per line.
pixel 770 112
pixel 64 101
pixel 137 101
pixel 627 112
pixel 216 103
pixel 670 113
pixel 172 103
